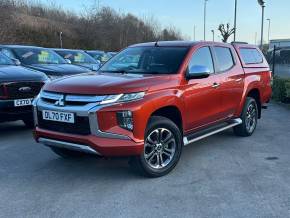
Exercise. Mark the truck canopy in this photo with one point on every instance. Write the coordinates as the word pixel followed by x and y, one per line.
pixel 250 56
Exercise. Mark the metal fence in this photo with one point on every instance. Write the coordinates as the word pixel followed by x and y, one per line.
pixel 279 60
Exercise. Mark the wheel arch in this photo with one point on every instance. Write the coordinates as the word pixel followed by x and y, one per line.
pixel 256 94
pixel 172 113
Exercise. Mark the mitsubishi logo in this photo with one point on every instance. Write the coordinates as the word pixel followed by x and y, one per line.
pixel 60 102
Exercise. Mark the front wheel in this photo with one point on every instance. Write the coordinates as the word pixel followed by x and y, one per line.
pixel 162 148
pixel 249 117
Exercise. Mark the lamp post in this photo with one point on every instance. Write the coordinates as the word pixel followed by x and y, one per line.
pixel 262 3
pixel 60 39
pixel 235 21
pixel 269 29
pixel 194 33
pixel 204 20
pixel 212 35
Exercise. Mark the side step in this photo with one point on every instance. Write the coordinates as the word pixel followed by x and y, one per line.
pixel 210 131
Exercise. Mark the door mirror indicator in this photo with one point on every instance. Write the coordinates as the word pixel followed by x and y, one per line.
pixel 198 72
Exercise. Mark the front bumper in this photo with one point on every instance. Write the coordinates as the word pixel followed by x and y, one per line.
pixel 108 147
pixel 94 141
pixel 10 113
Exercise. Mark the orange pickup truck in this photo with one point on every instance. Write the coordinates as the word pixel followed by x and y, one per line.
pixel 152 99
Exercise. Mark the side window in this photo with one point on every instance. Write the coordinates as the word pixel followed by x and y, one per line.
pixel 7 52
pixel 251 56
pixel 202 57
pixel 224 58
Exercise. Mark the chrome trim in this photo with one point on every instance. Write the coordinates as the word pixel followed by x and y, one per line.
pixel 68 145
pixel 233 123
pixel 87 110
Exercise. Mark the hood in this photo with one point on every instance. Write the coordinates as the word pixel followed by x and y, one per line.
pixel 106 83
pixel 59 69
pixel 17 73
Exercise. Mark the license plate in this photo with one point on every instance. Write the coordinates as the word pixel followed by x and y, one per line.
pixel 23 102
pixel 57 116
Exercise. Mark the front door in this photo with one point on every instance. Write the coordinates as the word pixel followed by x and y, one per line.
pixel 202 96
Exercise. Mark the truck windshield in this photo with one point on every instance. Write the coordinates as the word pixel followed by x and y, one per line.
pixel 147 60
pixel 4 60
pixel 38 56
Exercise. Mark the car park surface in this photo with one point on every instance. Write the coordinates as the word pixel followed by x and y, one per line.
pixel 221 176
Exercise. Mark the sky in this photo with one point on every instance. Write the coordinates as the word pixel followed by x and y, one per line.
pixel 185 14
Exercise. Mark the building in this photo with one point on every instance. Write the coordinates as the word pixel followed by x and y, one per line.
pixel 279 43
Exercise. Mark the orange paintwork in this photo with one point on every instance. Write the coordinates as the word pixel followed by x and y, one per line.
pixel 199 104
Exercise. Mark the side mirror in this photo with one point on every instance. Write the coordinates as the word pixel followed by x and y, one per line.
pixel 16 61
pixel 198 72
pixel 68 61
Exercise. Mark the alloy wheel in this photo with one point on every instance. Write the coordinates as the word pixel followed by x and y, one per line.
pixel 160 147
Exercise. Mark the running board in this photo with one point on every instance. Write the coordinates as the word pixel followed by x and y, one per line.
pixel 210 131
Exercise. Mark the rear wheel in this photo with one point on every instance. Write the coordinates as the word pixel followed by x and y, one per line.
pixel 249 117
pixel 162 148
pixel 65 153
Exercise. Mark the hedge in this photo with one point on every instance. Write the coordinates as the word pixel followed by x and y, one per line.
pixel 281 90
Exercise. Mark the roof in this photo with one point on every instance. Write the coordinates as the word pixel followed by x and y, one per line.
pixel 166 44
pixel 65 49
pixel 21 46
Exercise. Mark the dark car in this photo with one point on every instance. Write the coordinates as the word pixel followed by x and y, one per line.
pixel 42 59
pixel 80 58
pixel 101 56
pixel 18 87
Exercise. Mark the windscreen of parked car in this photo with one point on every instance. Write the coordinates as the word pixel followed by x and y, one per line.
pixel 4 60
pixel 76 57
pixel 96 54
pixel 147 60
pixel 30 56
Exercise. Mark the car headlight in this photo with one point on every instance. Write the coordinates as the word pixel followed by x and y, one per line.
pixel 122 97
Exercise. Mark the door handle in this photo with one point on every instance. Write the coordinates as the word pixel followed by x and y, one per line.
pixel 216 85
pixel 239 80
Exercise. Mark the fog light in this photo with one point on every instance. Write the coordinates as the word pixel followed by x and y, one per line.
pixel 125 120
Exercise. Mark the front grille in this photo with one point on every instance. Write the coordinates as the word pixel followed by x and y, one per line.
pixel 80 127
pixel 14 89
pixel 69 99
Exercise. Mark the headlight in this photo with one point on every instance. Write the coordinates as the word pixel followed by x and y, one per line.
pixel 123 97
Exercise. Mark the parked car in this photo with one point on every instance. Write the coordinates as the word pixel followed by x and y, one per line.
pixel 80 58
pixel 112 53
pixel 178 93
pixel 42 59
pixel 18 87
pixel 101 56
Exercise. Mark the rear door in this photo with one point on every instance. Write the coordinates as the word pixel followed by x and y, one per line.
pixel 231 76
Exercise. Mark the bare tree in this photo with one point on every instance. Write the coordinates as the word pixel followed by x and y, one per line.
pixel 226 31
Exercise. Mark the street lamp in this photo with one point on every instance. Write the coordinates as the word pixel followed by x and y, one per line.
pixel 204 20
pixel 235 22
pixel 262 3
pixel 194 33
pixel 269 29
pixel 60 39
pixel 212 35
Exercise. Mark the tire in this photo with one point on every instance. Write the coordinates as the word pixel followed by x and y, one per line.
pixel 249 117
pixel 162 148
pixel 29 123
pixel 65 153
